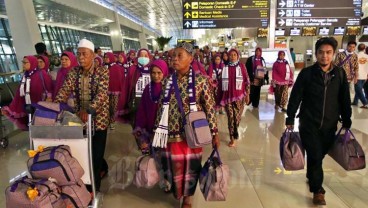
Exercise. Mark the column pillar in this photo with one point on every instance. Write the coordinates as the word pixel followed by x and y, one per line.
pixel 116 39
pixel 272 26
pixel 23 27
pixel 143 39
pixel 115 32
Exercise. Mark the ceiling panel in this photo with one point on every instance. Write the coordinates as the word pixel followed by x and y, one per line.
pixel 163 15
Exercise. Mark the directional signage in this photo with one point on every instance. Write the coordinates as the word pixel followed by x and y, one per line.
pixel 320 13
pixel 191 41
pixel 225 14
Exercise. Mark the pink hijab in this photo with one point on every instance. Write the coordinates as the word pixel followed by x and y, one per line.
pixel 46 60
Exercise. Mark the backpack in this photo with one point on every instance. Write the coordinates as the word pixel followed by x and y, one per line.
pixel 19 194
pixel 56 162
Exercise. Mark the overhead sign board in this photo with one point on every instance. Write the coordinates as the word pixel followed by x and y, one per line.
pixel 225 14
pixel 191 41
pixel 310 13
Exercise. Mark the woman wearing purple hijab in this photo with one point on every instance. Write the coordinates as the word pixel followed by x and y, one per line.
pixel 131 56
pixel 282 79
pixel 98 61
pixel 253 64
pixel 68 61
pixel 235 92
pixel 115 85
pixel 35 86
pixel 147 110
pixel 138 77
pixel 43 63
pixel 214 72
pixel 122 104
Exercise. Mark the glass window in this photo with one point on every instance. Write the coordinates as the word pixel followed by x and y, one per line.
pixel 8 60
pixel 58 39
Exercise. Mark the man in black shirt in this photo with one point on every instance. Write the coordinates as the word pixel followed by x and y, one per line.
pixel 322 91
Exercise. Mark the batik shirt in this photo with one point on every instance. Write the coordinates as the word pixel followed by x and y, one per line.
pixel 350 66
pixel 204 99
pixel 89 91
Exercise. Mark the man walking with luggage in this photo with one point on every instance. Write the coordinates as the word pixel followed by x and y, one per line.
pixel 89 84
pixel 322 90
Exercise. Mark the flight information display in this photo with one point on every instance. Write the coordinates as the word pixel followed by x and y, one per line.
pixel 225 14
pixel 318 13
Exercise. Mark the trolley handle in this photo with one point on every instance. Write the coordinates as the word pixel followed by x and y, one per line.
pixel 30 109
pixel 91 111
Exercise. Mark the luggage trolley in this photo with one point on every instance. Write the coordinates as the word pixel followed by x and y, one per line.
pixel 4 141
pixel 80 145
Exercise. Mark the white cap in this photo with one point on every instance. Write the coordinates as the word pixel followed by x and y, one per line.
pixel 84 43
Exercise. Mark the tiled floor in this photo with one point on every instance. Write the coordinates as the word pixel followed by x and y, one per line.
pixel 257 177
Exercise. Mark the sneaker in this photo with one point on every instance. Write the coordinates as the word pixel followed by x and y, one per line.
pixel 364 106
pixel 319 197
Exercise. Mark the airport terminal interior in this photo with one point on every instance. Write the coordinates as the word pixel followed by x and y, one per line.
pixel 257 175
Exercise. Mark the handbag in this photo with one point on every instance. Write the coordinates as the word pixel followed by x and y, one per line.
pixel 291 151
pixel 347 152
pixel 47 113
pixel 214 178
pixel 146 173
pixel 33 193
pixel 196 126
pixel 58 163
pixel 260 72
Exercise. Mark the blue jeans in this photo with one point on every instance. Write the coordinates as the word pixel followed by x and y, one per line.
pixel 359 92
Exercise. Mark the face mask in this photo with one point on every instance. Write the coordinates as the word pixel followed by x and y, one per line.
pixel 143 61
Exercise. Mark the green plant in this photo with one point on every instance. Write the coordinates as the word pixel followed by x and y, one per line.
pixel 162 41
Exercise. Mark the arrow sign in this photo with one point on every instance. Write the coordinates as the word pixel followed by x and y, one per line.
pixel 187 5
pixel 187 24
pixel 282 3
pixel 281 22
pixel 187 15
pixel 277 170
pixel 282 13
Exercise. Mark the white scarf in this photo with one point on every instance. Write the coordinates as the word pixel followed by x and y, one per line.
pixel 162 132
pixel 348 53
pixel 288 71
pixel 26 92
pixel 225 77
pixel 142 82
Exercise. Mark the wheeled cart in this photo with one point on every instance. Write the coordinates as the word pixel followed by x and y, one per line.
pixel 78 138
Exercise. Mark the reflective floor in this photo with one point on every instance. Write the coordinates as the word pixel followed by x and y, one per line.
pixel 257 177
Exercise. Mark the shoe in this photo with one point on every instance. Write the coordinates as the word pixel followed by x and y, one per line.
pixel 319 197
pixel 355 104
pixel 364 106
